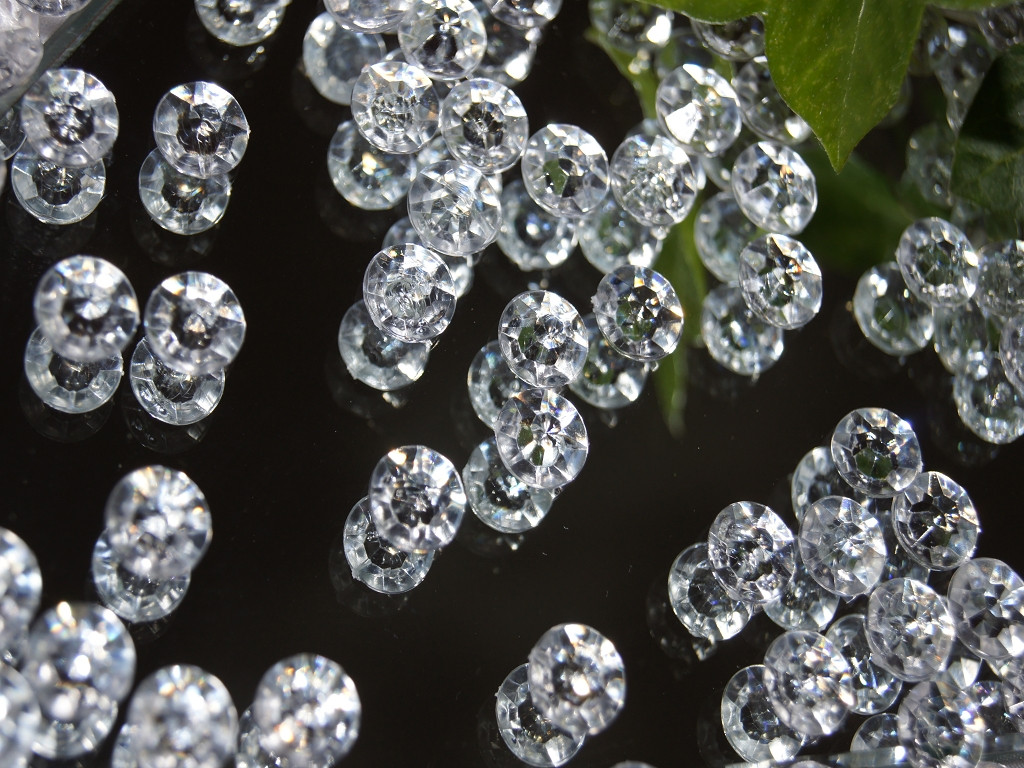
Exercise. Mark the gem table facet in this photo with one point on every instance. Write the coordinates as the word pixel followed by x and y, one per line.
pixel 565 170
pixel 842 545
pixel 200 129
pixel 876 451
pixel 639 313
pixel 698 108
pixel 530 736
pixel 543 339
pixel 375 561
pixel 775 187
pixel 409 292
pixel 750 722
pixel 935 522
pixel 986 601
pixel 909 629
pixel 781 281
pixel 752 552
pixel 699 600
pixel 395 106
pixel 455 208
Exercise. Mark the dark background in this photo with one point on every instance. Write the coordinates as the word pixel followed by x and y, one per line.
pixel 291 446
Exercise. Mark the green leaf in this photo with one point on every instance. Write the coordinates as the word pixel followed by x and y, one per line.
pixel 639 72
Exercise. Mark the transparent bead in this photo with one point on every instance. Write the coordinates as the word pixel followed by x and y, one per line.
pixel 484 124
pixel 909 629
pixel 541 438
pixel 639 313
pixel 371 16
pixel 842 545
pixel 375 357
pixel 194 323
pixel 577 679
pixel 781 281
pixel 375 561
pixel 879 732
pixel 966 339
pixel 333 57
pixel 930 163
pixel 69 118
pixel 735 337
pixel 565 170
pixel 935 522
pixel 56 194
pixel 763 109
pixel 986 601
pixel 938 263
pixel 876 451
pixel 132 597
pixel 395 106
pixel 525 14
pixel 368 177
pixel 775 187
pixel 739 40
pixel 875 689
pixel 543 339
pixel 532 237
pixel 815 478
pixel 699 600
pixel 68 385
pixel 752 552
pixel 749 720
pixel 200 129
pixel 1003 26
pixel 654 179
pixel 991 407
pixel 530 736
pixel 609 380
pixel 80 661
pixel 12 136
pixel 1011 352
pixel 959 67
pixel 803 604
pixel 721 231
pixel 307 711
pixel 169 395
pixel 21 585
pixel 809 682
pixel 1001 278
pixel 417 499
pixel 241 22
pixel 455 208
pixel 510 52
pixel 889 315
pixel 178 202
pixel 409 292
pixel 491 383
pixel 698 108
pixel 941 727
pixel 610 238
pixel 445 37
pixel 21 718
pixel 500 499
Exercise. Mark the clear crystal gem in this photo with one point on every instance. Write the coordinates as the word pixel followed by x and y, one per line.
pixel 738 40
pixel 500 499
pixel 541 438
pixel 445 37
pixel 803 604
pixel 992 707
pixel 909 629
pixel 815 478
pixel 775 187
pixel 334 56
pixel 763 109
pixel 752 552
pixel 930 162
pixel 874 688
pixel 377 16
pixel 698 108
pixel 842 545
pixel 375 561
pixel 889 315
pixel 133 597
pixel 565 170
pixel 610 238
pixel 639 313
pixel 395 106
pixel 530 736
pixel 375 357
pixel 936 522
pixel 721 231
pixel 21 585
pixel 609 380
pixel 749 720
pixel 200 129
pixel 1003 26
pixel 960 68
pixel 654 179
pixel 455 208
pixel 409 292
pixel 484 124
pixel 543 339
pixel 781 281
pixel 735 337
pixel 990 406
pixel 68 385
pixel 966 339
pixel 169 395
pixel 178 202
pixel 699 600
pixel 941 727
pixel 1001 278
pixel 938 263
pixel 241 22
pixel 986 601
pixel 532 237
pixel 491 383
pixel 56 194
pixel 876 451
pixel 878 732
pixel 21 717
pixel 368 177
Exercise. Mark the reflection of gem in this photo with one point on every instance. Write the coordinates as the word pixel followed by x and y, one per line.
pixel 735 337
pixel 500 499
pixel 376 358
pixel 376 562
pixel 241 22
pixel 56 194
pixel 67 385
pixel 179 203
pixel 750 723
pixel 530 736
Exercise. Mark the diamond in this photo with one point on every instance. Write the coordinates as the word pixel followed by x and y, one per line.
pixel 375 561
pixel 815 478
pixel 455 208
pixel 532 237
pixel 609 380
pixel 781 281
pixel 543 339
pixel 752 552
pixel 936 522
pixel 409 292
pixel 132 597
pixel 21 717
pixel 200 129
pixel 941 727
pixel 699 600
pixel 565 170
pixel 169 395
pixel 889 315
pixel 530 736
pixel 698 108
pixel 178 202
pixel 541 438
pixel 639 313
pixel 909 629
pixel 56 194
pixel 241 22
pixel 876 451
pixel 735 337
pixel 1001 278
pixel 938 263
pixel 966 339
pixel 874 688
pixel 68 385
pixel 750 723
pixel 991 407
pixel 491 383
pixel 21 585
pixel 775 187
pixel 1011 352
pixel 986 601
pixel 720 232
pixel 445 37
pixel 372 16
pixel 738 40
pixel 654 179
pixel 842 546
pixel 375 357
pixel 334 56
pixel 879 732
pixel 484 124
pixel 803 604
pixel 368 177
pixel 500 499
pixel 763 109
pixel 395 106
pixel 610 238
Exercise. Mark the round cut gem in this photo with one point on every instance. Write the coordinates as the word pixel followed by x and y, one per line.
pixel 500 499
pixel 909 629
pixel 484 124
pixel 941 727
pixel 752 552
pixel 699 600
pixel 935 522
pixel 541 438
pixel 169 395
pixel 334 56
pixel 56 194
pixel 803 604
pixel 610 238
pixel 698 108
pixel 735 337
pixel 639 313
pixel 375 561
pixel 455 208
pixel 409 292
pixel 721 231
pixel 532 237
pixel 21 585
pixel 966 339
pixel 990 406
pixel 395 106
pixel 368 177
pixel 781 281
pixel 21 717
pixel 889 315
pixel 445 37
pixel 133 597
pixel 842 546
pixel 178 202
pixel 654 179
pixel 763 109
pixel 1001 278
pixel 378 16
pixel 986 601
pixel 530 736
pixel 876 451
pixel 775 187
pixel 491 383
pixel 749 720
pixel 737 40
pixel 68 385
pixel 874 688
pixel 609 379
pixel 200 129
pixel 565 170
pixel 241 22
pixel 375 357
pixel 543 339
pixel 938 263
pixel 815 478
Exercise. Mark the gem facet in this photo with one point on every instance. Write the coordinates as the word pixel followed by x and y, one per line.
pixel 990 406
pixel 21 585
pixel 491 383
pixel 532 237
pixel 169 395
pixel 334 56
pixel 368 177
pixel 21 717
pixel 941 727
pixel 803 604
pixel 721 232
pixel 1001 278
pixel 763 109
pixel 445 37
pixel 134 598
pixel 375 357
pixel 610 238
pixel 609 379
pixel 67 385
pixel 484 124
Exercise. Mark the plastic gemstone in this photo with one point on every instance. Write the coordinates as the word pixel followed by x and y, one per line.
pixel 775 187
pixel 241 22
pixel 815 478
pixel 409 292
pixel 735 337
pixel 368 177
pixel 541 438
pixel 21 717
pixel 874 688
pixel 764 110
pixel 532 237
pixel 565 170
pixel 178 202
pixel 500 499
pixel 803 604
pixel 529 735
pixel 876 451
pixel 1001 278
pixel 878 732
pixel 491 383
pixel 639 313
pixel 56 194
pixel 455 208
pixel 134 598
pixel 67 385
pixel 752 552
pixel 395 106
pixel 609 379
pixel 889 315
pixel 781 281
pixel 990 406
pixel 941 727
pixel 721 231
pixel 938 263
pixel 484 124
pixel 200 129
pixel 909 629
pixel 698 108
pixel 737 40
pixel 935 522
pixel 445 37
pixel 699 600
pixel 750 723
pixel 986 601
pixel 376 562
pixel 21 585
pixel 543 339
pixel 842 546
pixel 171 396
pixel 610 238
pixel 654 179
pixel 368 15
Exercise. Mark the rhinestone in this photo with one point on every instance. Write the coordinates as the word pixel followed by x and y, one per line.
pixel 409 292
pixel 631 27
pixel 132 597
pixel 738 40
pixel 21 718
pixel 200 129
pixel 68 385
pixel 455 208
pixel 815 478
pixel 842 545
pixel 889 315
pixel 879 732
pixel 610 238
pixel 56 194
pixel 803 604
pixel 80 661
pixel 938 263
pixel 991 406
pixel 936 522
pixel 752 552
pixel 417 499
pixel 541 438
pixel 720 232
pixel 735 337
pixel 749 720
pixel 941 727
pixel 372 16
pixel 699 600
pixel 21 585
pixel 992 707
pixel 307 711
pixel 874 688
pixel 898 564
pixel 1003 26
pixel 986 601
pixel 69 118
pixel 774 187
pixel 639 313
pixel 930 163
pixel 1001 278
pixel 334 56
pixel 565 170
pixel 484 124
pixel 500 499
pixel 367 177
pixel 697 107
pixel 376 562
pixel 876 451
pixel 781 281
pixel 809 682
pixel 11 134
pixel 543 339
pixel 182 204
pixel 1011 352
pixel 909 629
pixel 445 37
pixel 375 357
pixel 510 52
pixel 194 323
pixel 491 383
pixel 764 110
pixel 654 180
pixel 530 236
pixel 171 396
pixel 966 339
pixel 530 736
pixel 608 380
pixel 528 14
pixel 241 22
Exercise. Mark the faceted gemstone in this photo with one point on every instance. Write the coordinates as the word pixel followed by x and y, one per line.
pixel 565 170
pixel 395 106
pixel 763 109
pixel 375 561
pixel 991 407
pixel 530 736
pixel 484 124
pixel 878 732
pixel 368 177
pixel 67 385
pixel 56 194
pixel 307 711
pixel 510 51
pixel 941 727
pixel 815 478
pixel 577 679
pixel 654 179
pixel 20 723
pixel 525 14
pixel 803 604
pixel 500 499
pixel 631 27
pixel 532 237
pixel 21 585
pixel 735 337
pixel 1001 278
pixel 610 238
pixel 194 323
pixel 132 597
pixel 930 162
pixel 781 281
pixel 455 208
pixel 749 720
pixel 698 108
pixel 721 231
pixel 182 716
pixel 889 315
pixel 80 661
pixel 1011 352
pixel 752 552
pixel 909 629
pixel 333 57
pixel 738 40
pixel 69 118
pixel 699 600
pixel 992 708
pixel 639 313
pixel 936 522
pixel 178 202
pixel 874 687
pixel 938 263
pixel 809 682
pixel 876 451
pixel 417 499
pixel 774 187
pixel 373 16
pixel 11 134
pixel 375 357
pixel 445 37
pixel 543 339
pixel 966 339
pixel 169 395
pixel 986 601
pixel 541 438
pixel 960 67
pixel 609 380
pixel 491 383
pixel 241 22
pixel 200 129
pixel 842 546
pixel 409 292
